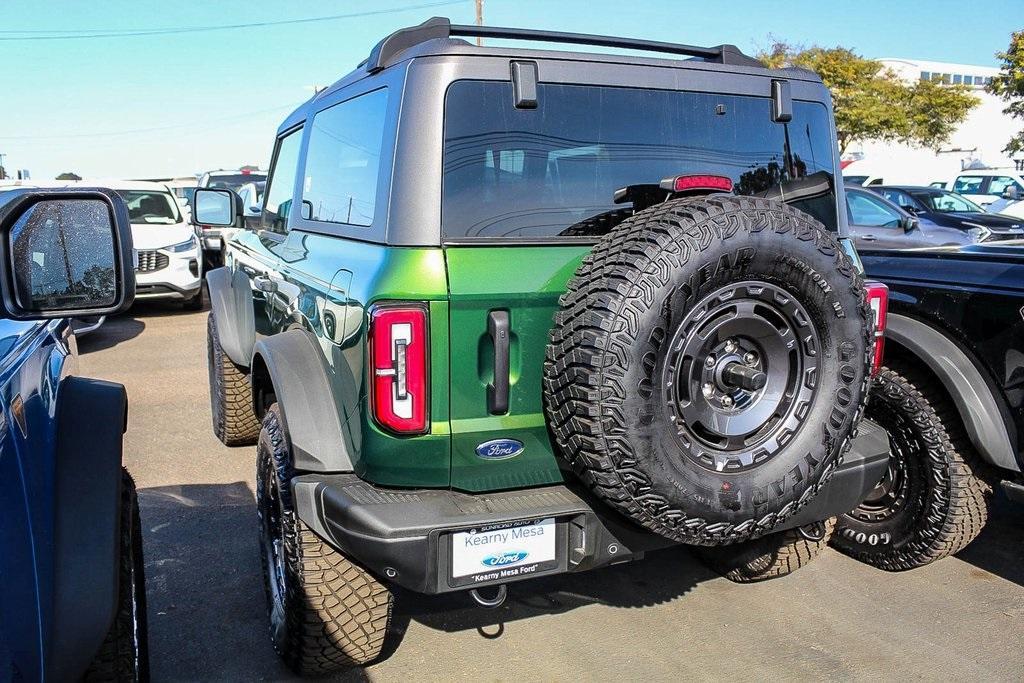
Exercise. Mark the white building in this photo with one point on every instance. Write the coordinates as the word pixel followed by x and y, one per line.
pixel 978 141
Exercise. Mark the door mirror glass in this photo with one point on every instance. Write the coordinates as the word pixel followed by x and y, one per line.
pixel 63 253
pixel 216 207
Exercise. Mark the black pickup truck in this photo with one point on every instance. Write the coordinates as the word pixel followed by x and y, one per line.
pixel 950 395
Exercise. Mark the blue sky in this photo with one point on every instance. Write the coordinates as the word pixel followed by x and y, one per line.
pixel 184 103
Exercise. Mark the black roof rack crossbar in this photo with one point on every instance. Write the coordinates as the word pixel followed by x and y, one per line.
pixel 438 27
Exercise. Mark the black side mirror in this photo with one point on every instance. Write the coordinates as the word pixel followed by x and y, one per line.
pixel 909 224
pixel 65 252
pixel 216 207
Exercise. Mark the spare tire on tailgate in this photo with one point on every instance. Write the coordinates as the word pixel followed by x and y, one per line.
pixel 708 366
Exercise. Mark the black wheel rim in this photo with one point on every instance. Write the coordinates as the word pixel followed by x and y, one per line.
pixel 740 375
pixel 891 494
pixel 272 548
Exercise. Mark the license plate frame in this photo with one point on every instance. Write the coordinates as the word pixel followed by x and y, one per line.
pixel 455 568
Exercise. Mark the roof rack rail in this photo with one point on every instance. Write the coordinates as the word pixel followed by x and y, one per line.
pixel 384 53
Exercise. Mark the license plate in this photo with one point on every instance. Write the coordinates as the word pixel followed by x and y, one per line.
pixel 503 551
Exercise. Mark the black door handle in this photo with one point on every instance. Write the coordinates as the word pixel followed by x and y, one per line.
pixel 497 392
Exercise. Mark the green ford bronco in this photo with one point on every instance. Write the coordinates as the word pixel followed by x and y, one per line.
pixel 509 313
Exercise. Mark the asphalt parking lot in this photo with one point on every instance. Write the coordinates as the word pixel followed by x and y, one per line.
pixel 664 618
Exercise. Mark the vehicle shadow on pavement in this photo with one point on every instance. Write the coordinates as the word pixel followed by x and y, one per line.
pixel 999 549
pixel 130 325
pixel 111 333
pixel 206 612
pixel 207 619
pixel 660 577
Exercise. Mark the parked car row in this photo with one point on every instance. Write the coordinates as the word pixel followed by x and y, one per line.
pixel 981 186
pixel 903 217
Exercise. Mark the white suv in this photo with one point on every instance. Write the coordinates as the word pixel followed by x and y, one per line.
pixel 987 185
pixel 170 264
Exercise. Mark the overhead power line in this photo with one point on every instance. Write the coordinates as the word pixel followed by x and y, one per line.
pixel 79 34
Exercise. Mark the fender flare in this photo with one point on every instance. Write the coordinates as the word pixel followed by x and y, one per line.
pixel 91 417
pixel 290 365
pixel 232 310
pixel 978 408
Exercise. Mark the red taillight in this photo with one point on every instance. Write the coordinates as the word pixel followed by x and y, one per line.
pixel 878 299
pixel 398 367
pixel 686 183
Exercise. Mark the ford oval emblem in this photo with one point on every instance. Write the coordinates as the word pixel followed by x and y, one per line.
pixel 499 449
pixel 504 559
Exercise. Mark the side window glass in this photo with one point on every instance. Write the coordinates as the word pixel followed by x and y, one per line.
pixel 343 161
pixel 281 183
pixel 867 211
pixel 999 184
pixel 894 196
pixel 968 184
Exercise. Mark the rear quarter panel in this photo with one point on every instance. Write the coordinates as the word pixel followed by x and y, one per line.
pixel 329 285
pixel 976 299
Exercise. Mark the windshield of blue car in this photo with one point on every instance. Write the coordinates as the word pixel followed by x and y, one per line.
pixel 947 202
pixel 147 206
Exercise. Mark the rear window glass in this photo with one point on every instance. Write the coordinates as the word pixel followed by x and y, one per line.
pixel 233 182
pixel 552 171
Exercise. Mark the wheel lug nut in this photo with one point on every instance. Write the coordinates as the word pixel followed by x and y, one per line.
pixel 727 402
pixel 730 346
pixel 750 358
pixel 710 362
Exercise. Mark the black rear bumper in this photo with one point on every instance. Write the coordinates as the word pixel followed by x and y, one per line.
pixel 405 536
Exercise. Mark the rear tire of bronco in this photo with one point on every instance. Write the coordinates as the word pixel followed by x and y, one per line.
pixel 708 365
pixel 769 557
pixel 936 495
pixel 326 612
pixel 234 421
pixel 124 654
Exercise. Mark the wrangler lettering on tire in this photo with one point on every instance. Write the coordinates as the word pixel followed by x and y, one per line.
pixel 706 368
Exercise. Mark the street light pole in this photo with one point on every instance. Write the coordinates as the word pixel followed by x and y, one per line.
pixel 479 20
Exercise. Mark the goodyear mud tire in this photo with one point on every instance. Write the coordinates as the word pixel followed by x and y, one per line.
pixel 326 612
pixel 708 366
pixel 937 494
pixel 234 421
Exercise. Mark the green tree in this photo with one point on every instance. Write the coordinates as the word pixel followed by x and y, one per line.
pixel 68 175
pixel 1009 85
pixel 872 103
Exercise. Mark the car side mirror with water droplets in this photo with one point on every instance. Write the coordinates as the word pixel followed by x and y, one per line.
pixel 65 252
